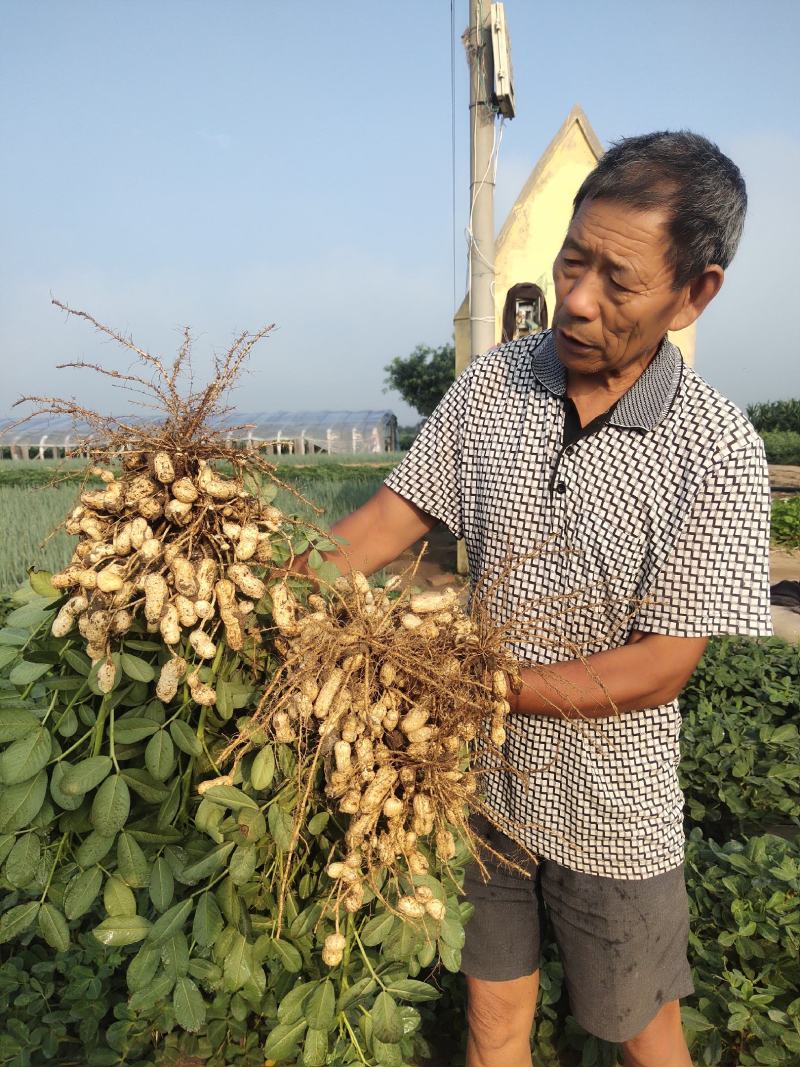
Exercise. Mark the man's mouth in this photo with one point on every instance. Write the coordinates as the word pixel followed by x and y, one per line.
pixel 575 342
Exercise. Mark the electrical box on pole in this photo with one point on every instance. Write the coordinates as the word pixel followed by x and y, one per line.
pixel 503 94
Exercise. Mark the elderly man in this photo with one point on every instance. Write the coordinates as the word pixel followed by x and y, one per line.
pixel 633 501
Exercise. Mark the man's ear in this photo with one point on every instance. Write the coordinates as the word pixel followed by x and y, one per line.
pixel 699 293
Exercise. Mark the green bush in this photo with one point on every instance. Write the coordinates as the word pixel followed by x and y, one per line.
pixel 165 901
pixel 775 415
pixel 740 765
pixel 782 446
pixel 745 949
pixel 786 522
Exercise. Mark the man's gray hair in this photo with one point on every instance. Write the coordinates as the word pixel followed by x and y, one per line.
pixel 701 189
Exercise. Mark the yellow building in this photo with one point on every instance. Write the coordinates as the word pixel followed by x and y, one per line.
pixel 532 234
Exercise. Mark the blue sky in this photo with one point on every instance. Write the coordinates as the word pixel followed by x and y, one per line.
pixel 171 162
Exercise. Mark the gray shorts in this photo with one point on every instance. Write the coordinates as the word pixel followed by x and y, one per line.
pixel 622 942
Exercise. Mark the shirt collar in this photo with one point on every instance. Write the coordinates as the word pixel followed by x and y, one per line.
pixel 646 403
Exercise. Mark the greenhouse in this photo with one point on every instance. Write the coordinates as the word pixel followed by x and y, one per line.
pixel 295 432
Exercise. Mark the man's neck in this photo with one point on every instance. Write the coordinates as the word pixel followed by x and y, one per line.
pixel 594 394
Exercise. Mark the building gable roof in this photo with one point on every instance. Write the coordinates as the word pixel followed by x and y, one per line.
pixel 576 117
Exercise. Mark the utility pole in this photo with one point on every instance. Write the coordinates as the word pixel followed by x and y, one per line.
pixel 490 91
pixel 481 222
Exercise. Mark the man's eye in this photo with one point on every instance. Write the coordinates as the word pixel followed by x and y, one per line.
pixel 619 287
pixel 571 262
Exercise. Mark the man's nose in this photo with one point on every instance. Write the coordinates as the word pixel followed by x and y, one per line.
pixel 581 302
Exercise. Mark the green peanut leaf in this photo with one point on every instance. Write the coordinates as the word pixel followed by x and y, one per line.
pixel 25 758
pixel 237 968
pixel 144 785
pixel 7 842
pixel 162 885
pixel 111 806
pixel 288 955
pixel 315 1048
pixel 84 776
pixel 305 921
pixel 185 738
pixel 53 927
pixel 146 998
pixel 41 584
pixel 93 848
pixel 16 920
pixel 81 892
pixel 142 968
pixel 25 673
pixel 693 1020
pixel 190 1008
pixel 450 957
pixel 122 930
pixel 321 1007
pixel 243 864
pixel 378 929
pixel 118 899
pixel 280 826
pixel 132 865
pixel 262 770
pixel 230 797
pixel 206 972
pixel 387 1023
pixel 16 723
pixel 64 801
pixel 209 864
pixel 452 932
pixel 412 990
pixel 159 756
pixel 129 731
pixel 23 861
pixel 20 804
pixel 208 921
pixel 171 922
pixel 387 1055
pixel 318 822
pixel 364 987
pixel 283 1041
pixel 291 1006
pixel 136 668
pixel 175 955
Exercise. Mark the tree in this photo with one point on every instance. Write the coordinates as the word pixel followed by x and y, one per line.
pixel 423 377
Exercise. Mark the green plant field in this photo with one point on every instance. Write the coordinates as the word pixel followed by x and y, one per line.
pixel 786 522
pixel 29 514
pixel 289 468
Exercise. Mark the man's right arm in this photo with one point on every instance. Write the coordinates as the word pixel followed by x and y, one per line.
pixel 377 533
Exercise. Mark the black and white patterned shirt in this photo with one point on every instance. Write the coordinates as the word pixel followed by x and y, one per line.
pixel 657 519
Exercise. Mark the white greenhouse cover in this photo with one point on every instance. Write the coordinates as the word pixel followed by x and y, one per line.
pixel 296 431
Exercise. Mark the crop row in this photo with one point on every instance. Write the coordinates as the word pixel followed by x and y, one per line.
pixel 29 515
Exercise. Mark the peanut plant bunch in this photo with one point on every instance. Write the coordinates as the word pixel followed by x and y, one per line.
pixel 174 541
pixel 120 680
pixel 381 693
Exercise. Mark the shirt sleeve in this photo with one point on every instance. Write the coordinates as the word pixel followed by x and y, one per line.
pixel 716 580
pixel 430 475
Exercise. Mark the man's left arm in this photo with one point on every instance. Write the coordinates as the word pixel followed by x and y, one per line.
pixel 716 581
pixel 649 671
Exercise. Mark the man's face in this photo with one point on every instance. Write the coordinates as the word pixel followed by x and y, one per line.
pixel 614 294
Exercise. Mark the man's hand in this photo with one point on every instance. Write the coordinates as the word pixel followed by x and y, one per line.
pixel 650 670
